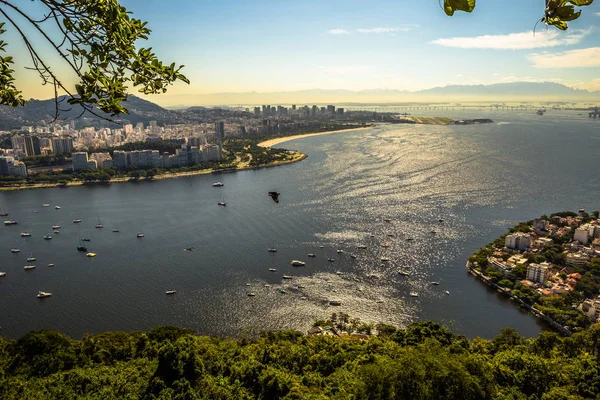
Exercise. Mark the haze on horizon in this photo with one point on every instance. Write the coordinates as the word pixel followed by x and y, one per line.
pixel 266 47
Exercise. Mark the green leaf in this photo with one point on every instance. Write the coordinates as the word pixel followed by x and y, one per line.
pixel 450 6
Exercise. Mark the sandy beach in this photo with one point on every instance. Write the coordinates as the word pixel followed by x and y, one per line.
pixel 276 141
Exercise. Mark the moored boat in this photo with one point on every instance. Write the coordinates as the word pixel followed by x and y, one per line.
pixel 287 277
pixel 298 263
pixel 15 250
pixel 91 254
pixel 29 267
pixel 168 292
pixel 41 294
pixel 218 184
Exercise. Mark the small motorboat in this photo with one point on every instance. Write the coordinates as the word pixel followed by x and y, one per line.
pixel 267 285
pixel 353 256
pixel 385 259
pixel 50 265
pixel 361 246
pixel 14 250
pixel 99 226
pixel 340 273
pixel 387 220
pixel 29 267
pixel 76 221
pixel 250 294
pixel 287 277
pixel 140 235
pixel 581 210
pixel 274 196
pixel 191 248
pixel 222 203
pixel 170 292
pixel 414 294
pixel 25 234
pixel 447 292
pixel 311 255
pixel 116 230
pixel 218 184
pixel 330 260
pixel 46 205
pixel 272 250
pixel 298 263
pixel 435 283
pixel 55 226
pixel 11 222
pixel 57 207
pixel 340 251
pixel 47 237
pixel 2 274
pixel 91 254
pixel 248 284
pixel 41 295
pixel 56 231
pixel 273 269
pixel 321 247
pixel 86 240
pixel 30 259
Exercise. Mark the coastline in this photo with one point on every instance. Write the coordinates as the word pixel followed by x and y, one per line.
pixel 298 157
pixel 279 140
pixel 267 143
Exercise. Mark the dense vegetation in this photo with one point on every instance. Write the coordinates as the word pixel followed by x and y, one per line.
pixel 423 361
pixel 558 307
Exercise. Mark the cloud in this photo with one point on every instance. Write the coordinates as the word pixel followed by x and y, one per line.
pixel 376 30
pixel 591 85
pixel 380 30
pixel 580 58
pixel 338 32
pixel 516 41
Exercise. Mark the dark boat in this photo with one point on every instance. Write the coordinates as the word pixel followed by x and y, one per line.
pixel 81 248
pixel 86 240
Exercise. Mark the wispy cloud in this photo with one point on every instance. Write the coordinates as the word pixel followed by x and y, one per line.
pixel 515 41
pixel 380 30
pixel 593 85
pixel 338 32
pixel 376 30
pixel 580 58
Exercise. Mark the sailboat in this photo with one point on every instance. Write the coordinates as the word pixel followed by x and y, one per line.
pixel 3 212
pixel 99 224
pixel 81 247
pixel 77 220
pixel 222 202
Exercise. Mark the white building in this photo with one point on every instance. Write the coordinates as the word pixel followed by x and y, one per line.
pixel 519 241
pixel 538 272
pixel 577 259
pixel 582 234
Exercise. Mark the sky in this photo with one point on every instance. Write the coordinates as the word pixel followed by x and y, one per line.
pixel 272 46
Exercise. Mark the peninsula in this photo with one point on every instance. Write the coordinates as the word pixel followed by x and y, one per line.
pixel 549 266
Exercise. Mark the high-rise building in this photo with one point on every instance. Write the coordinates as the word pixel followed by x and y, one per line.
pixel 538 273
pixel 257 111
pixel 82 162
pixel 519 241
pixel 62 145
pixel 18 143
pixel 11 167
pixel 582 234
pixel 32 146
pixel 220 130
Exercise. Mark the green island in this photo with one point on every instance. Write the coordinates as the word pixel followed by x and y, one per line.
pixel 425 360
pixel 549 266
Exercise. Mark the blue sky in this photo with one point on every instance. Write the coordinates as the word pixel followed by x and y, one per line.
pixel 264 46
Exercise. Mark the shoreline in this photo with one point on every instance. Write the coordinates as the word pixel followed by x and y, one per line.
pixel 267 143
pixel 298 157
pixel 279 140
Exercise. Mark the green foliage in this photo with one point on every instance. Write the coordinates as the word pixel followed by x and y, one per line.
pixel 423 361
pixel 9 94
pixel 450 6
pixel 557 12
pixel 97 41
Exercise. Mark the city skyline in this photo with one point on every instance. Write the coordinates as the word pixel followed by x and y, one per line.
pixel 267 47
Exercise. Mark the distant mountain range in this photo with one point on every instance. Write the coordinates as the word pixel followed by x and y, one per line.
pixel 36 112
pixel 515 92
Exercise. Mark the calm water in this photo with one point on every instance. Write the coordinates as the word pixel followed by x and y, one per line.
pixel 479 179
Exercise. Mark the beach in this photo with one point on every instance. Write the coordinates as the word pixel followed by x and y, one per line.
pixel 276 141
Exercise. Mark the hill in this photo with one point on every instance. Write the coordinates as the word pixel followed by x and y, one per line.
pixel 423 361
pixel 36 112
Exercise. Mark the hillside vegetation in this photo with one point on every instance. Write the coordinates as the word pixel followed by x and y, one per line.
pixel 423 361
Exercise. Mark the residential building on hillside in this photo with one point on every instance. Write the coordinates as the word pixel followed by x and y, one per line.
pixel 518 241
pixel 538 272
